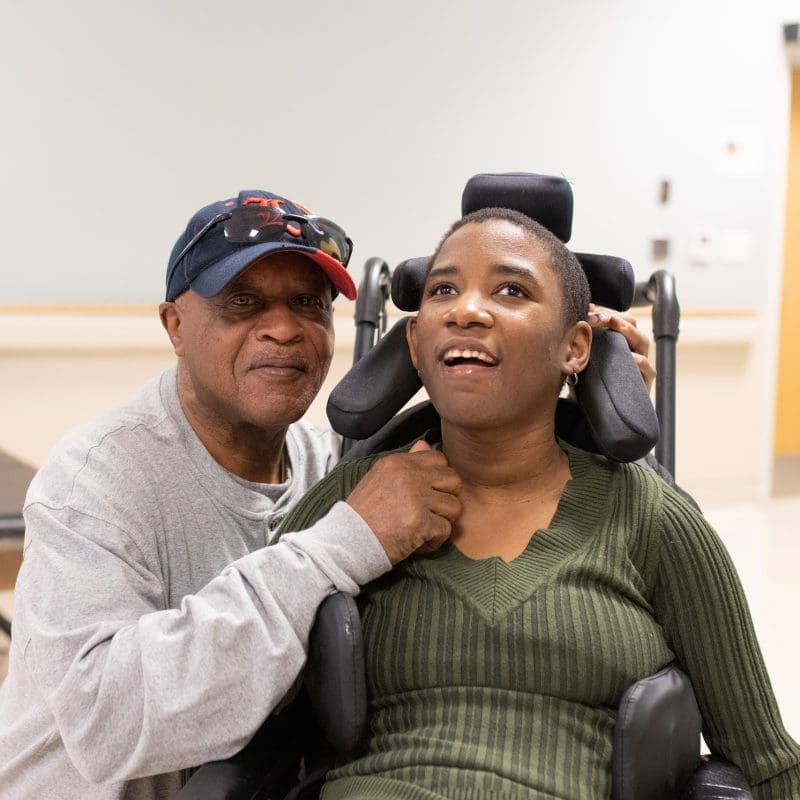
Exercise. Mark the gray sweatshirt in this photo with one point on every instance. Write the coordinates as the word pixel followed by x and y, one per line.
pixel 153 630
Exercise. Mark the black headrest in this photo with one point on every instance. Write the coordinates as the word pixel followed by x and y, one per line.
pixel 545 198
pixel 618 416
pixel 611 281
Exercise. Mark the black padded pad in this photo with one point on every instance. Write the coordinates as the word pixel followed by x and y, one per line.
pixel 545 198
pixel 375 388
pixel 717 779
pixel 614 399
pixel 408 280
pixel 335 677
pixel 656 737
pixel 611 281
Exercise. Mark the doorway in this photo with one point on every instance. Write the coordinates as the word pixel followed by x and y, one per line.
pixel 786 473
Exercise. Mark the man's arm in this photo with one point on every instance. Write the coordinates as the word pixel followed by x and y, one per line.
pixel 138 690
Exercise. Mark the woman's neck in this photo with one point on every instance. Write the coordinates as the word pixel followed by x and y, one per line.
pixel 511 487
pixel 493 461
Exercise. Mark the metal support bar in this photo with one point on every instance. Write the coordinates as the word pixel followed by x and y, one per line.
pixel 659 291
pixel 373 292
pixel 12 527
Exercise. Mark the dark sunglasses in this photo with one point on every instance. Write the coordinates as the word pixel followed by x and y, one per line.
pixel 254 223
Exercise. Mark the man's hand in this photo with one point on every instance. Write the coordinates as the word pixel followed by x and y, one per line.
pixel 624 323
pixel 410 501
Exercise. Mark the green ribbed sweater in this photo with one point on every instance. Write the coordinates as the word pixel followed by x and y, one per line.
pixel 490 679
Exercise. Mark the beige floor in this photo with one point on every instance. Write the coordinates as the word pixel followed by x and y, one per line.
pixel 764 541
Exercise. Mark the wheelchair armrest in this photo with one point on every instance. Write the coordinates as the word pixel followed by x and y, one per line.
pixel 335 677
pixel 717 779
pixel 656 737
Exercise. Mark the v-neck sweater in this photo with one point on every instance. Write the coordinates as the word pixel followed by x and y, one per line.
pixel 495 679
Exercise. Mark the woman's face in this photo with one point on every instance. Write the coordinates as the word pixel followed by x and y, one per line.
pixel 489 340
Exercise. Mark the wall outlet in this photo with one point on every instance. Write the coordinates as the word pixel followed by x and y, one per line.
pixel 701 249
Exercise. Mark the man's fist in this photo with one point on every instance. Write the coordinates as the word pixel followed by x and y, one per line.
pixel 410 501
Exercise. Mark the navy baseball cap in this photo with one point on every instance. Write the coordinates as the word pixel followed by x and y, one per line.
pixel 224 238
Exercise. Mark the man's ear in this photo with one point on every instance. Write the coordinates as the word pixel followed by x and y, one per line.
pixel 170 315
pixel 411 339
pixel 578 349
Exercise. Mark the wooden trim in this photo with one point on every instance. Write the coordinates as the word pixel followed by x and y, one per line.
pixel 339 310
pixel 93 309
pixel 112 309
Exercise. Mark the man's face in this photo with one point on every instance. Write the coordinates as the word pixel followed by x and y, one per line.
pixel 255 355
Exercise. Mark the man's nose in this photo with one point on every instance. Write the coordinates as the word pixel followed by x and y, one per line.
pixel 279 323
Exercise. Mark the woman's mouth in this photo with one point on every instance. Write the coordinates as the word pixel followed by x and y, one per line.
pixel 454 357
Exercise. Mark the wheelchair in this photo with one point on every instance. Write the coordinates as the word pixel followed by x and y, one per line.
pixel 656 747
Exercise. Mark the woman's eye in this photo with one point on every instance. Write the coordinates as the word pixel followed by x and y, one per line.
pixel 440 289
pixel 512 290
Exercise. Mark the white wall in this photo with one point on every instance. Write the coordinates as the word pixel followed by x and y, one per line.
pixel 122 118
pixel 119 119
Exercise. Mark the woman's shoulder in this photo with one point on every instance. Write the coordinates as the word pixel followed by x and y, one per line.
pixel 606 477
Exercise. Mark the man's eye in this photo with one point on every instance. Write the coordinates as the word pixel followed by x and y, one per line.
pixel 241 300
pixel 309 301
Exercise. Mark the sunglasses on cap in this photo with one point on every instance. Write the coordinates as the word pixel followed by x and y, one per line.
pixel 252 224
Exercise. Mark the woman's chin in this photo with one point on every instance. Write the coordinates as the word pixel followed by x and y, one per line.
pixel 469 415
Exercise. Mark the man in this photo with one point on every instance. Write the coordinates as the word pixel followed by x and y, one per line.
pixel 153 628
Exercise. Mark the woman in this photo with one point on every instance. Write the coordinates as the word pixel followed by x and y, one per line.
pixel 496 663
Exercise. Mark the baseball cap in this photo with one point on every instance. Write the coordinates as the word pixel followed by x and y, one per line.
pixel 224 238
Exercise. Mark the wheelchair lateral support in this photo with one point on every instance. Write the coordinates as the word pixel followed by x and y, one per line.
pixel 659 291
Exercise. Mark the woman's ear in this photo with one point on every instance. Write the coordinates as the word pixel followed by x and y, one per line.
pixel 170 315
pixel 411 339
pixel 579 348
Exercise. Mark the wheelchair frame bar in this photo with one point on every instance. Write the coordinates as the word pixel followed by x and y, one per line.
pixel 371 306
pixel 659 292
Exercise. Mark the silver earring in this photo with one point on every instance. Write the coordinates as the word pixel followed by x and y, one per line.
pixel 572 380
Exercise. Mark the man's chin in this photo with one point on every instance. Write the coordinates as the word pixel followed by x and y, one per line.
pixel 281 411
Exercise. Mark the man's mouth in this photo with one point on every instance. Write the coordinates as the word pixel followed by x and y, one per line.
pixel 455 356
pixel 279 365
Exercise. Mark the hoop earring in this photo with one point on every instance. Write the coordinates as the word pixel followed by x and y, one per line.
pixel 572 380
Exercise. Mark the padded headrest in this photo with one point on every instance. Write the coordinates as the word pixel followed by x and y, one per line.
pixel 616 408
pixel 545 198
pixel 611 281
pixel 375 388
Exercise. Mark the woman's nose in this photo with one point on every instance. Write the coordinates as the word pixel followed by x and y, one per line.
pixel 470 308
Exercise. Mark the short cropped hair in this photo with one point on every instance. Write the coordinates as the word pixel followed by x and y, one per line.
pixel 575 294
